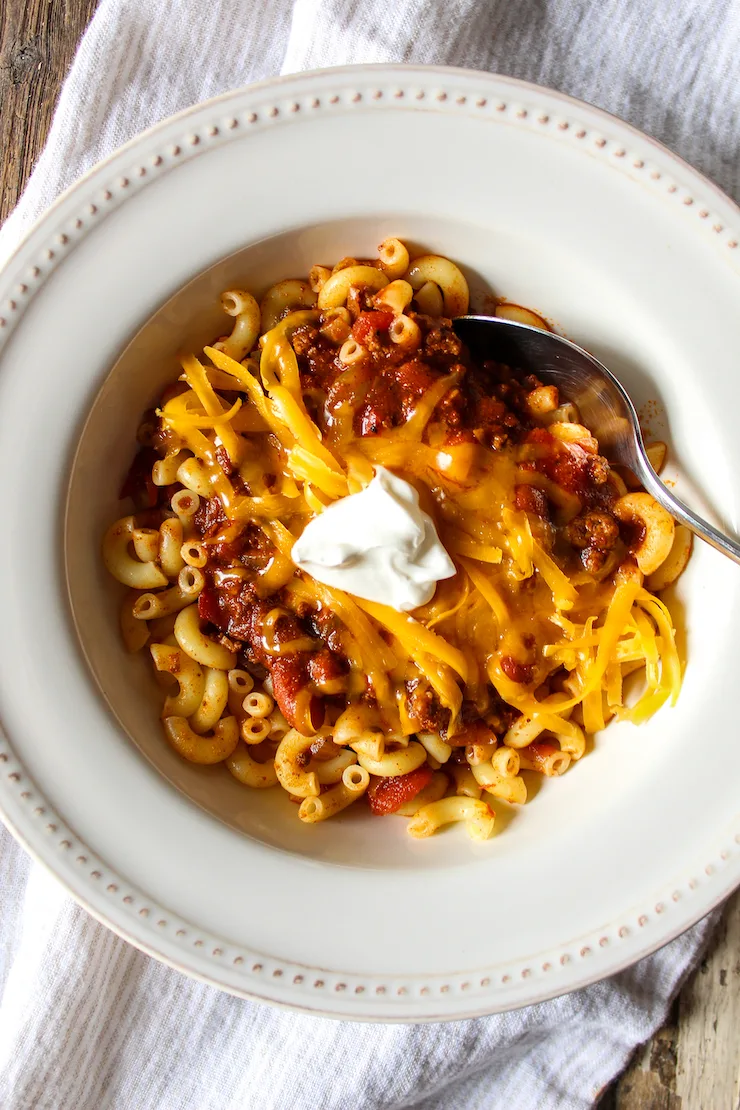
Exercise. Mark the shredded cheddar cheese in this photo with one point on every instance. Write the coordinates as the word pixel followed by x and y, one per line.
pixel 534 639
pixel 495 549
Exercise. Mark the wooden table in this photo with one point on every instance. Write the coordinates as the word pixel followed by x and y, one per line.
pixel 693 1063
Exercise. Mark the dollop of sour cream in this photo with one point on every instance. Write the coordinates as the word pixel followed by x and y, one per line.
pixel 377 544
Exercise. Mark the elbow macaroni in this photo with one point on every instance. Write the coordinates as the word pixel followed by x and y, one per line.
pixel 446 276
pixel 477 815
pixel 124 567
pixel 244 308
pixel 335 290
pixel 292 775
pixel 537 648
pixel 213 702
pixel 289 294
pixel 249 771
pixel 354 782
pixel 400 762
pixel 202 749
pixel 198 646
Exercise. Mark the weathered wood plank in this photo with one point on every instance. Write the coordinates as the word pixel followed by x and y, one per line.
pixel 650 1081
pixel 37 41
pixel 708 1073
pixel 693 1063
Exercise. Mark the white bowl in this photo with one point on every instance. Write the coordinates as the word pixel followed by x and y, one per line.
pixel 540 198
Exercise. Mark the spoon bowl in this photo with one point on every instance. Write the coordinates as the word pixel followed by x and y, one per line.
pixel 605 406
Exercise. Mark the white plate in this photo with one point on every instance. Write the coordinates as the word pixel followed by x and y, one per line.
pixel 545 200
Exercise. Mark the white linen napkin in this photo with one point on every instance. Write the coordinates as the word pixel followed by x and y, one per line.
pixel 86 1021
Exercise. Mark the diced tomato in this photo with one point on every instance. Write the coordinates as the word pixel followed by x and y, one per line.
pixel 289 677
pixel 516 671
pixel 388 795
pixel 540 435
pixel 227 551
pixel 224 461
pixel 208 607
pixel 369 322
pixel 568 469
pixel 415 377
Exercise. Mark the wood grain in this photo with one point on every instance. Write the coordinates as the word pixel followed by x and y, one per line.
pixel 37 41
pixel 693 1063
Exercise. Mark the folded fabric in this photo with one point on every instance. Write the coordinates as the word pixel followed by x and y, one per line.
pixel 86 1021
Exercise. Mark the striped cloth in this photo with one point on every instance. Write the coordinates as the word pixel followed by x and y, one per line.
pixel 89 1023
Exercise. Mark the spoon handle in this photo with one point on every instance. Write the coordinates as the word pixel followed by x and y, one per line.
pixel 684 515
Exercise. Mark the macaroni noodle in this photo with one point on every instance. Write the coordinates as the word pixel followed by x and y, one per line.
pixel 547 630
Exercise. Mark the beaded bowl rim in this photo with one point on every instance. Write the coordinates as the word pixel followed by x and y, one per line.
pixel 109 897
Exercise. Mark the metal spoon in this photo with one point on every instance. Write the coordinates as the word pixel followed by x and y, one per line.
pixel 605 406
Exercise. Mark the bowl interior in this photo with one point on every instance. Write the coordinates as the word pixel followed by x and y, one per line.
pixel 567 286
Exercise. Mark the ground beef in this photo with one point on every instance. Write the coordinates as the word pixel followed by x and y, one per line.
pixel 326 667
pixel 476 732
pixel 304 338
pixel 441 342
pixel 327 627
pixel 593 529
pixel 210 517
pixel 594 559
pixel 258 551
pixel 425 707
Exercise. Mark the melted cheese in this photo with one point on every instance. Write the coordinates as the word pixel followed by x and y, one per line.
pixel 509 589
